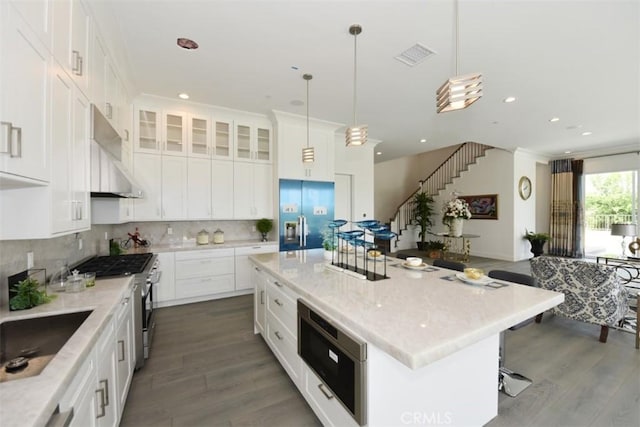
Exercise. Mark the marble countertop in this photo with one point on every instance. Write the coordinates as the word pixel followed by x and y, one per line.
pixel 417 317
pixel 31 401
pixel 190 245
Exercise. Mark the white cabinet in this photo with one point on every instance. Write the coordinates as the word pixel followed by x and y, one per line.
pixel 223 139
pixel 199 188
pixel 292 138
pixel 81 394
pixel 106 87
pixel 71 24
pixel 259 300
pixel 107 409
pixel 37 14
pixel 174 188
pixel 253 142
pixel 199 143
pixel 158 131
pixel 222 189
pixel 24 85
pixel 70 156
pixel 165 289
pixel 252 190
pixel 125 351
pixel 147 171
pixel 245 276
pixel 204 273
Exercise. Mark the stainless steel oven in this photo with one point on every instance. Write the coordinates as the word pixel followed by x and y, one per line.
pixel 337 358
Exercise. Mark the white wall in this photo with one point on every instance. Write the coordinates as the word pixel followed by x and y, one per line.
pixel 525 212
pixel 397 179
pixel 492 174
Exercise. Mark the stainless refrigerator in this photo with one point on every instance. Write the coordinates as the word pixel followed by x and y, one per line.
pixel 306 207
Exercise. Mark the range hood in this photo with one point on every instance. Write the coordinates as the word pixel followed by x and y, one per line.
pixel 109 177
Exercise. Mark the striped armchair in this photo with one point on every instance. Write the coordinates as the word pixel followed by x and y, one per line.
pixel 593 292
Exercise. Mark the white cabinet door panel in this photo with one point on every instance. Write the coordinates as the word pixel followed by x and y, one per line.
pixel 199 188
pixel 174 188
pixel 222 198
pixel 147 171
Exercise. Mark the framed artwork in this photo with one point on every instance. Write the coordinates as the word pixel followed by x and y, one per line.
pixel 484 206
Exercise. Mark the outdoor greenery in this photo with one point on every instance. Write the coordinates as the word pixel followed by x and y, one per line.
pixel 608 199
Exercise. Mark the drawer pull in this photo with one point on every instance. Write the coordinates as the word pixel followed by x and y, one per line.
pixel 277 301
pixel 324 391
pixel 106 391
pixel 121 351
pixel 278 284
pixel 277 334
pixel 257 269
pixel 262 297
pixel 103 411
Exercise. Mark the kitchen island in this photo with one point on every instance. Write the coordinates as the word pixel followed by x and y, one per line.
pixel 432 341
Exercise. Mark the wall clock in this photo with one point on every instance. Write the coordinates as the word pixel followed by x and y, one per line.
pixel 524 188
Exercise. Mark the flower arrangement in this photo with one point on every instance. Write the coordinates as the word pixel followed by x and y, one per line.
pixel 455 208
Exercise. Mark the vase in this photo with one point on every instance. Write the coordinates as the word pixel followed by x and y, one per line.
pixel 264 237
pixel 455 227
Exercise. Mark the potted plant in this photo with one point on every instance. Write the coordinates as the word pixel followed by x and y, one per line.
pixel 435 248
pixel 26 294
pixel 329 243
pixel 537 241
pixel 264 226
pixel 422 211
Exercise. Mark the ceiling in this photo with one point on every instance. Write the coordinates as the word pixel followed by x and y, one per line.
pixel 575 60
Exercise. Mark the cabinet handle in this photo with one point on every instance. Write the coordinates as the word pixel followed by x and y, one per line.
pixel 6 138
pixel 324 391
pixel 79 73
pixel 257 269
pixel 278 284
pixel 101 404
pixel 105 382
pixel 18 142
pixel 109 111
pixel 262 297
pixel 277 334
pixel 125 301
pixel 277 301
pixel 75 60
pixel 121 351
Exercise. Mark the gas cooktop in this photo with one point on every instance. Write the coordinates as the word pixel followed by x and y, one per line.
pixel 116 265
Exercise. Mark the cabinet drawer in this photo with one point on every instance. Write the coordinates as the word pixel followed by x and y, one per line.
pixel 282 306
pixel 209 253
pixel 258 249
pixel 85 375
pixel 285 346
pixel 329 410
pixel 201 267
pixel 200 286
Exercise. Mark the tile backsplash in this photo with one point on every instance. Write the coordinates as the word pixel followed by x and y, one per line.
pixel 49 252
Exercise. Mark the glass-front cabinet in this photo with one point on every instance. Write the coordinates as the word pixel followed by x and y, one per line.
pixel 199 136
pixel 158 131
pixel 175 133
pixel 223 147
pixel 253 143
pixel 147 129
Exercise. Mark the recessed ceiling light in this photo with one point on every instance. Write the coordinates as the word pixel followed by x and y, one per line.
pixel 183 95
pixel 509 99
pixel 187 43
pixel 572 127
pixel 567 152
pixel 423 140
pixel 378 153
pixel 586 133
pixel 554 119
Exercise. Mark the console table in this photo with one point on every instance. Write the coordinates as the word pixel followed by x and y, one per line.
pixel 457 247
pixel 629 271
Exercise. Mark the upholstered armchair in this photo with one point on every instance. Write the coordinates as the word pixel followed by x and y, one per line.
pixel 593 292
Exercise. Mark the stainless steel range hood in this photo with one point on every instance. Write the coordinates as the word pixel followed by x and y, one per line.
pixel 109 177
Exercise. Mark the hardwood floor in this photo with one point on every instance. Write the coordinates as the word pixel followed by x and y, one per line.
pixel 207 368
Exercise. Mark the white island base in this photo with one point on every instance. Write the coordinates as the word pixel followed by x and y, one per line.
pixel 459 390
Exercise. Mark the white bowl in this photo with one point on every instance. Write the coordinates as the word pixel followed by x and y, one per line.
pixel 414 261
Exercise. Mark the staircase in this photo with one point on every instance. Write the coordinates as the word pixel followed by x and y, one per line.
pixel 450 169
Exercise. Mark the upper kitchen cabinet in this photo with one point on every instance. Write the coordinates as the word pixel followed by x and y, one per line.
pixel 158 131
pixel 106 88
pixel 24 85
pixel 71 24
pixel 253 142
pixel 252 191
pixel 147 170
pixel 292 138
pixel 199 144
pixel 37 15
pixel 223 139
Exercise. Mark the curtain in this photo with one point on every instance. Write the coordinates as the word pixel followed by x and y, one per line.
pixel 567 192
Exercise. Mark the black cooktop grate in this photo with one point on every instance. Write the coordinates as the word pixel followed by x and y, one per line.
pixel 118 265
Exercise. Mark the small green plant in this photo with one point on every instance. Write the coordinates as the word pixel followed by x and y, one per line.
pixel 264 225
pixel 435 245
pixel 27 295
pixel 536 237
pixel 329 241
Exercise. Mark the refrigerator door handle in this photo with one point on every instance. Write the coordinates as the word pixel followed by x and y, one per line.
pixel 304 231
pixel 300 230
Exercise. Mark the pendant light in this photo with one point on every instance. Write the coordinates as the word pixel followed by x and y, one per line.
pixel 308 153
pixel 460 91
pixel 356 134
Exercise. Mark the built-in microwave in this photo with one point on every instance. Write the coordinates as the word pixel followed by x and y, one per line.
pixel 337 358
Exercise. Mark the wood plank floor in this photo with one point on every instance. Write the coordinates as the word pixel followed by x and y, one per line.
pixel 207 368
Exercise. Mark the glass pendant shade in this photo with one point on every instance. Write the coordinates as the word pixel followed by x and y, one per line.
pixel 356 135
pixel 459 92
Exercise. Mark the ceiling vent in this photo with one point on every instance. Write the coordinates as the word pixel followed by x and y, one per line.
pixel 415 55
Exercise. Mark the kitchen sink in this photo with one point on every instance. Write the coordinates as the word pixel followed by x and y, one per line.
pixel 27 345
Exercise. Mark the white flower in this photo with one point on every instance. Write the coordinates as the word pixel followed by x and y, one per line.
pixel 455 208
